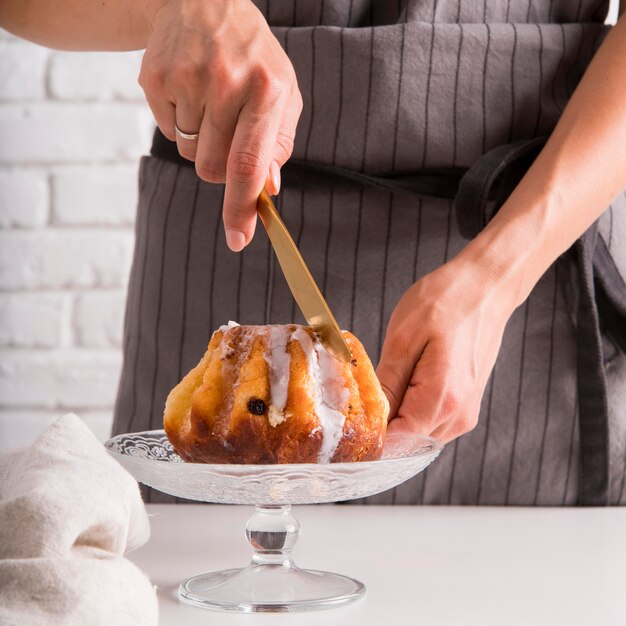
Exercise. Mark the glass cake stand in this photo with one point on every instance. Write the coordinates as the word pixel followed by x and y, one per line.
pixel 272 582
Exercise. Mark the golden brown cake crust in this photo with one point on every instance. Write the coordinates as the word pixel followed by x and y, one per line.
pixel 323 410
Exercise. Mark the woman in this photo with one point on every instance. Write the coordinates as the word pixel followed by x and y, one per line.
pixel 510 337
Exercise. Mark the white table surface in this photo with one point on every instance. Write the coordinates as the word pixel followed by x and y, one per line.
pixel 421 565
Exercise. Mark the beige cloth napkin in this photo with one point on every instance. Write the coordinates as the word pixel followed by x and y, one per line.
pixel 68 513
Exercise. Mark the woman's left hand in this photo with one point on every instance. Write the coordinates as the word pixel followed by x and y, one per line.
pixel 441 345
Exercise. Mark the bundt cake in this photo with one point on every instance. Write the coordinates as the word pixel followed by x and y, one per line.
pixel 273 394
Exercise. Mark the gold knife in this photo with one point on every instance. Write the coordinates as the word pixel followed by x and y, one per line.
pixel 303 287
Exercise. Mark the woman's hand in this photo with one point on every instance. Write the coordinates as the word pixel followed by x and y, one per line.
pixel 445 333
pixel 441 345
pixel 214 68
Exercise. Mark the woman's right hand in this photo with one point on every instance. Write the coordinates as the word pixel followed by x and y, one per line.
pixel 215 68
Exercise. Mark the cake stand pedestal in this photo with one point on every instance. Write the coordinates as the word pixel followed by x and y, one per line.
pixel 271 582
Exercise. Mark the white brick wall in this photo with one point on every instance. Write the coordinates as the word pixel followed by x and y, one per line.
pixel 24 197
pixel 72 127
pixel 23 71
pixel 88 196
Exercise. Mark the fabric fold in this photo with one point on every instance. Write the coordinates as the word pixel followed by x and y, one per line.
pixel 68 514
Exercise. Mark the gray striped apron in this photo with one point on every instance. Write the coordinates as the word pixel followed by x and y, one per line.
pixel 404 102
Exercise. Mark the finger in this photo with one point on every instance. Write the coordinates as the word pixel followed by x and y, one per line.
pixel 246 172
pixel 272 182
pixel 284 140
pixel 462 422
pixel 287 128
pixel 188 120
pixel 434 403
pixel 420 410
pixel 428 400
pixel 394 371
pixel 216 136
pixel 442 433
pixel 403 425
pixel 446 433
pixel 165 115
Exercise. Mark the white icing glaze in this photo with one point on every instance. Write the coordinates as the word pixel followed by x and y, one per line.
pixel 334 392
pixel 226 327
pixel 329 393
pixel 279 361
pixel 334 397
pixel 275 417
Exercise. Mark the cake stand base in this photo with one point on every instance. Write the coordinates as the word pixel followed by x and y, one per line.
pixel 272 582
pixel 271 589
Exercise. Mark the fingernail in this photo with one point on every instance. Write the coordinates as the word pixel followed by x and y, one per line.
pixel 275 173
pixel 235 239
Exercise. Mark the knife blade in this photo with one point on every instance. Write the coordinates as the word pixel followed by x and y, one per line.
pixel 303 286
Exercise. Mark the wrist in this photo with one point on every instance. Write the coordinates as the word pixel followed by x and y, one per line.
pixel 516 248
pixel 489 276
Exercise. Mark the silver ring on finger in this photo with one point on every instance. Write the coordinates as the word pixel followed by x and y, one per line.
pixel 190 136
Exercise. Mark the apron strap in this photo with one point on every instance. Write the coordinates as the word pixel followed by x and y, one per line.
pixel 494 175
pixel 438 183
pixel 593 408
pixel 601 288
pixel 610 294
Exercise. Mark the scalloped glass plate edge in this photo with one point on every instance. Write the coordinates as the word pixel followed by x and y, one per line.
pixel 150 458
pixel 403 445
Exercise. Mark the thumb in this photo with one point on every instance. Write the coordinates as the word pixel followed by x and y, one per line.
pixel 394 372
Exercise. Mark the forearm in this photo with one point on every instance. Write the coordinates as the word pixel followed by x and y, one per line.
pixel 81 24
pixel 574 179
